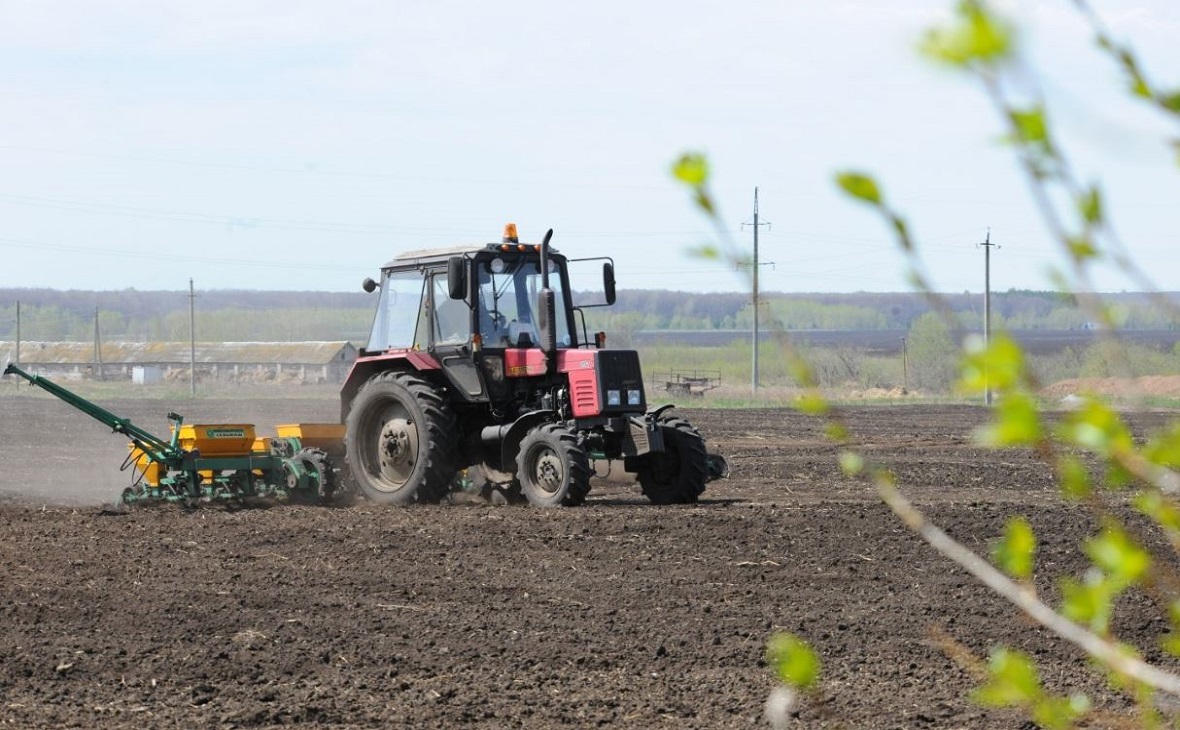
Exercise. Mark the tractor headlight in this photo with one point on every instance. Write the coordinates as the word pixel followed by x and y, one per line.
pixel 634 397
pixel 613 398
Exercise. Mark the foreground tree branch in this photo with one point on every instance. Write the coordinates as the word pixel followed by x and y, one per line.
pixel 1107 652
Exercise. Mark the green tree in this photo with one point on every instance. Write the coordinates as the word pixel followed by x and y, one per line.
pixel 932 353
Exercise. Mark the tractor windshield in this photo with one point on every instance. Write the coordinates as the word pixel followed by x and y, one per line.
pixel 508 297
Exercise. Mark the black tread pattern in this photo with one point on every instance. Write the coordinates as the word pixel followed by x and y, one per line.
pixel 683 468
pixel 437 474
pixel 317 461
pixel 563 441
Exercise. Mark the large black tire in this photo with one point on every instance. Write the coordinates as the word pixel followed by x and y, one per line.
pixel 676 475
pixel 400 442
pixel 316 462
pixel 552 468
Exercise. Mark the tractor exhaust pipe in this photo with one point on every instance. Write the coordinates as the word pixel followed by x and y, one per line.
pixel 545 259
pixel 546 310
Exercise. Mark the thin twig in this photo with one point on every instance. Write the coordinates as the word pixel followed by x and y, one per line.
pixel 1108 653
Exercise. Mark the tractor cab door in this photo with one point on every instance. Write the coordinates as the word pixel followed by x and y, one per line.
pixel 450 339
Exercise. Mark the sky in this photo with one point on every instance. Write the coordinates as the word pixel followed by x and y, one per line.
pixel 300 144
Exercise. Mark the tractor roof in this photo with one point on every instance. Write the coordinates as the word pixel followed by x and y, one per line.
pixel 428 255
pixel 440 255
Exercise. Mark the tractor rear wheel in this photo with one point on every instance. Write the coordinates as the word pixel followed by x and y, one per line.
pixel 552 468
pixel 676 475
pixel 400 441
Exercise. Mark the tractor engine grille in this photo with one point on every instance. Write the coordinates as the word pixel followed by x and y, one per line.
pixel 584 396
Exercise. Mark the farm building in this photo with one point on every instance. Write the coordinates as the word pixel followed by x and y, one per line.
pixel 145 362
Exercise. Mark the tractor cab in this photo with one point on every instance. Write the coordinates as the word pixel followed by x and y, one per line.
pixel 488 297
pixel 519 294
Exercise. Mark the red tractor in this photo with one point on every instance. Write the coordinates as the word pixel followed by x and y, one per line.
pixel 476 374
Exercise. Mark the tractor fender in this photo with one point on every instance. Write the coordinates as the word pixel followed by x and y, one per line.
pixel 367 366
pixel 510 435
pixel 654 416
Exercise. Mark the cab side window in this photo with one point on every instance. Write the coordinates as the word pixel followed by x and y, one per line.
pixel 397 320
pixel 451 320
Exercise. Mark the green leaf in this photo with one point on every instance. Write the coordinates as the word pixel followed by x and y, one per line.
pixel 851 463
pixel 1081 248
pixel 704 201
pixel 1090 205
pixel 1014 553
pixel 1095 426
pixel 793 660
pixel 1139 85
pixel 1164 511
pixel 1052 713
pixel 691 169
pixel 1171 641
pixel 1017 422
pixel 1090 602
pixel 801 371
pixel 1030 127
pixel 812 404
pixel 1164 447
pixel 707 251
pixel 1117 555
pixel 836 432
pixel 1170 101
pixel 1012 680
pixel 859 186
pixel 976 37
pixel 999 365
pixel 1074 477
pixel 902 231
pixel 1117 477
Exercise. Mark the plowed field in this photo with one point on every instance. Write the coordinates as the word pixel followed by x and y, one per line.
pixel 615 614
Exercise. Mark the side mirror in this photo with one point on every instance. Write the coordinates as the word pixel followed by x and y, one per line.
pixel 369 285
pixel 608 282
pixel 457 277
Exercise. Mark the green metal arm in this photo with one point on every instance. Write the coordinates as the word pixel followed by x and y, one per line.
pixel 156 448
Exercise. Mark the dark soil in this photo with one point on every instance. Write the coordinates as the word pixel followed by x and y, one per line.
pixel 616 614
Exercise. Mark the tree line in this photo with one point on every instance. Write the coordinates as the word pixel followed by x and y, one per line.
pixel 239 315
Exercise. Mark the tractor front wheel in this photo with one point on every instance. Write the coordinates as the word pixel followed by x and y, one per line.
pixel 400 441
pixel 552 468
pixel 676 475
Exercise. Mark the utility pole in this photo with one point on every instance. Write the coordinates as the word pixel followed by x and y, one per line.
pixel 192 339
pixel 17 333
pixel 987 308
pixel 905 368
pixel 755 224
pixel 97 348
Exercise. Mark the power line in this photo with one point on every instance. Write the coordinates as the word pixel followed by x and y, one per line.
pixel 315 171
pixel 157 255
